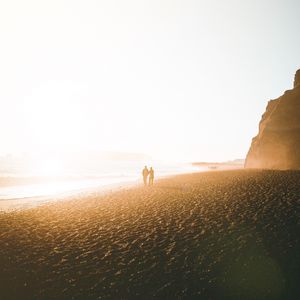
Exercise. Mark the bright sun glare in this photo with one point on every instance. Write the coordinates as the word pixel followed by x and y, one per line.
pixel 48 167
pixel 55 121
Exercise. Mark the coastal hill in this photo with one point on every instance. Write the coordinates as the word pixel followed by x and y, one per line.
pixel 277 144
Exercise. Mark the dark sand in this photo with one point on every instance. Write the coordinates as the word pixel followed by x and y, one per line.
pixel 215 235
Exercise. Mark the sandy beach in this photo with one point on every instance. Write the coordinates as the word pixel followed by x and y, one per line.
pixel 213 235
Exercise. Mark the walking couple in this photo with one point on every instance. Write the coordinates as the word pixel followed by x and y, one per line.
pixel 147 173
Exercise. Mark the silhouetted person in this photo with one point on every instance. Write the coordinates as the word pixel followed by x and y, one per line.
pixel 151 176
pixel 145 174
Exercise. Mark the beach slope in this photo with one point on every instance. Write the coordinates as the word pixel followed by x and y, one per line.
pixel 214 235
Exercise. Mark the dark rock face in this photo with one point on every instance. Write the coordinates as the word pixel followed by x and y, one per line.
pixel 297 79
pixel 277 145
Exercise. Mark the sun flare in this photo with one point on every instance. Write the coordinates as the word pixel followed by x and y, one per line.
pixel 54 120
pixel 48 167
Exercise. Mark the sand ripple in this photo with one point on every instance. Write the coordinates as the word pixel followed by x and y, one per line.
pixel 218 235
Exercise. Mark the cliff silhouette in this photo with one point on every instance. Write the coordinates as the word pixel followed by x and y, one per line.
pixel 277 145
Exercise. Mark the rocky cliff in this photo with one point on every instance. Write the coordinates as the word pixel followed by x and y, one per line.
pixel 277 145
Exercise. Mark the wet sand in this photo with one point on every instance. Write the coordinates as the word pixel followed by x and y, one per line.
pixel 214 235
pixel 15 204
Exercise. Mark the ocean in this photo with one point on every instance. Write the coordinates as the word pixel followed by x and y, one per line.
pixel 19 189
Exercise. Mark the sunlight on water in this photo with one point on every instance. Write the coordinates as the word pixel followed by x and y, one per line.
pixel 19 196
pixel 53 188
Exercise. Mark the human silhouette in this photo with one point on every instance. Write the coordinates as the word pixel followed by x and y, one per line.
pixel 151 176
pixel 145 174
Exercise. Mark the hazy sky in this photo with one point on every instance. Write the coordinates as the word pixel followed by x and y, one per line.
pixel 184 80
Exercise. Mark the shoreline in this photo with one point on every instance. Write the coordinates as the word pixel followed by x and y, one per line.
pixel 26 202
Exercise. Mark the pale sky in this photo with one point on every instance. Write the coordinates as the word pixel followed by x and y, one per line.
pixel 183 80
